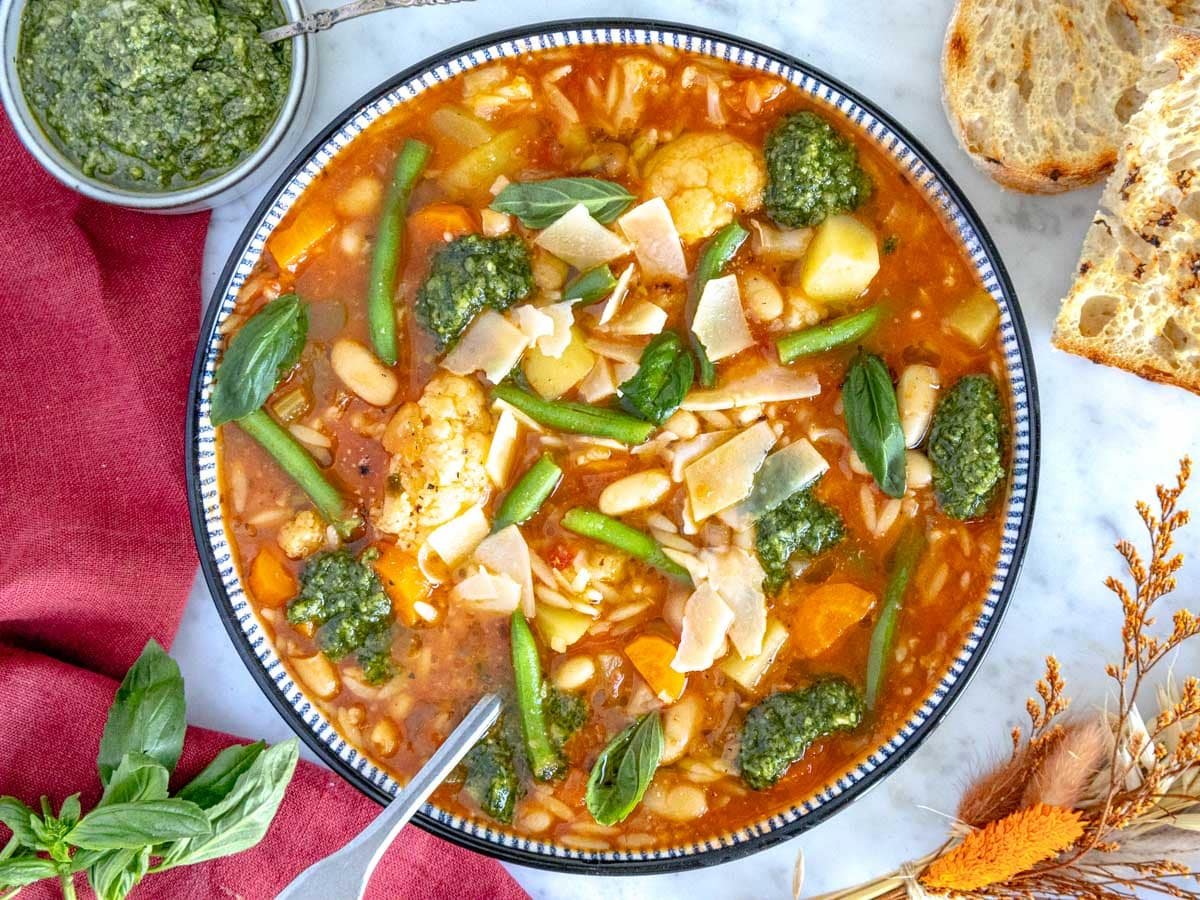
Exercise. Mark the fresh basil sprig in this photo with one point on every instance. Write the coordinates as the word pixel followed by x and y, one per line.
pixel 664 376
pixel 137 829
pixel 624 770
pixel 539 204
pixel 264 348
pixel 873 420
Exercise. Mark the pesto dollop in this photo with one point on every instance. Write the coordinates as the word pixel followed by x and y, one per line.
pixel 153 94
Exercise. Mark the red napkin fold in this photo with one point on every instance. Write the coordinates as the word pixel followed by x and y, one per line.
pixel 96 555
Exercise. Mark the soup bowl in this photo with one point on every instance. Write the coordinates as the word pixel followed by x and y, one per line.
pixel 304 715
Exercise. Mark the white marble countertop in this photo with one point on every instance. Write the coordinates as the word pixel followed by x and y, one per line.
pixel 1107 436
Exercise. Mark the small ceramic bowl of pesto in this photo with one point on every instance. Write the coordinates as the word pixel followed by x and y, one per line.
pixel 166 107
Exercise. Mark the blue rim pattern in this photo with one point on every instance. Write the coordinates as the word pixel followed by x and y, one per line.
pixel 217 555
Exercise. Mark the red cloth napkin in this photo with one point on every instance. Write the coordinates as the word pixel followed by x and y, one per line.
pixel 96 555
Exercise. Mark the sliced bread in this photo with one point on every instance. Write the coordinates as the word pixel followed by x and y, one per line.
pixel 1135 302
pixel 1038 91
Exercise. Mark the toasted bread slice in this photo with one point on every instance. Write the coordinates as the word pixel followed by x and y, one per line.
pixel 1135 303
pixel 1038 91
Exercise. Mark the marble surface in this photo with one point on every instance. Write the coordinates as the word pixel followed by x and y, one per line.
pixel 1107 436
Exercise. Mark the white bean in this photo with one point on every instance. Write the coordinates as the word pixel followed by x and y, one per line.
pixel 385 737
pixel 318 675
pixel 679 803
pixel 916 394
pixel 358 369
pixel 574 673
pixel 683 424
pixel 917 469
pixel 360 198
pixel 761 297
pixel 636 491
pixel 680 722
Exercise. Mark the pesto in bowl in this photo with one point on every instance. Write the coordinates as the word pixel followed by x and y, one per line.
pixel 153 95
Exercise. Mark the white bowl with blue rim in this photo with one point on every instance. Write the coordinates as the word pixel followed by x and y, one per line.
pixel 305 717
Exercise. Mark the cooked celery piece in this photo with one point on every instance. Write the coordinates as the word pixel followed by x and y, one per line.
pixel 828 335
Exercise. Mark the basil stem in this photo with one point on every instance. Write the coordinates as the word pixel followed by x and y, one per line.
pixel 302 468
pixel 716 256
pixel 385 258
pixel 873 420
pixel 596 525
pixel 590 286
pixel 575 418
pixel 541 203
pixel 545 761
pixel 528 494
pixel 624 770
pixel 828 335
pixel 909 548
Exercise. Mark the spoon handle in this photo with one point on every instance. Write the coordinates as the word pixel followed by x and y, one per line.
pixel 344 875
pixel 327 18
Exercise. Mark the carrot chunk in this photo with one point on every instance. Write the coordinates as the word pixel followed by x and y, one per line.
pixel 438 222
pixel 651 655
pixel 403 581
pixel 271 583
pixel 824 616
pixel 290 244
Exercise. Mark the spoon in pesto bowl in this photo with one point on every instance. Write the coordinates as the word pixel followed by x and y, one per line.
pixel 344 875
pixel 327 18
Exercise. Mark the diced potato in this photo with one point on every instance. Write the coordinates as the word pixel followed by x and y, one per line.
pixel 749 672
pixel 975 318
pixel 560 628
pixel 460 126
pixel 552 378
pixel 290 244
pixel 651 655
pixel 841 261
pixel 474 172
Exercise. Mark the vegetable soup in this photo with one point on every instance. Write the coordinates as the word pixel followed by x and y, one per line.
pixel 638 388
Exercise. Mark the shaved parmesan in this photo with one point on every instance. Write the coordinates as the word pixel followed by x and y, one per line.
pixel 599 383
pixel 555 344
pixel 706 620
pixel 501 450
pixel 617 297
pixel 488 592
pixel 771 383
pixel 623 372
pixel 492 345
pixel 642 318
pixel 500 407
pixel 506 553
pixel 455 540
pixel 737 577
pixel 578 239
pixel 689 561
pixel 725 476
pixel 617 351
pixel 720 321
pixel 686 451
pixel 533 322
pixel 783 473
pixel 651 230
pixel 748 672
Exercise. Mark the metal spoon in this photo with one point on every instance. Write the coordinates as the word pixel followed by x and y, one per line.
pixel 327 18
pixel 344 875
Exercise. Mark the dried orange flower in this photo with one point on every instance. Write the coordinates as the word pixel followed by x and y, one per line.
pixel 1005 848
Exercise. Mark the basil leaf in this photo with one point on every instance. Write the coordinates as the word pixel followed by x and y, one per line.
pixel 19 871
pixel 624 769
pixel 873 420
pixel 664 376
pixel 69 812
pixel 147 715
pixel 118 872
pixel 240 820
pixel 138 777
pixel 263 349
pixel 18 817
pixel 218 778
pixel 541 203
pixel 135 825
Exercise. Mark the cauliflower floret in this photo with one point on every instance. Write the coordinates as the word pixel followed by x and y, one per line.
pixel 439 447
pixel 706 178
pixel 303 536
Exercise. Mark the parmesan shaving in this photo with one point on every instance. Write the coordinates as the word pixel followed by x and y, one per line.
pixel 720 321
pixel 651 230
pixel 725 476
pixel 506 553
pixel 579 240
pixel 492 345
pixel 617 297
pixel 706 620
pixel 770 383
pixel 501 450
pixel 455 540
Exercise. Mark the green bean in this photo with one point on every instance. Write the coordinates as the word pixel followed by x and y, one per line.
pixel 828 336
pixel 590 286
pixel 528 494
pixel 545 761
pixel 716 256
pixel 576 418
pixel 596 525
pixel 302 468
pixel 909 548
pixel 389 241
